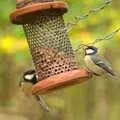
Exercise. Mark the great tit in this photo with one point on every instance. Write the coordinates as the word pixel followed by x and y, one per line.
pixel 95 64
pixel 29 79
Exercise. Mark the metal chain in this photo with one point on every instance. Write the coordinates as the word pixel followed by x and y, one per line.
pixel 71 24
pixel 106 37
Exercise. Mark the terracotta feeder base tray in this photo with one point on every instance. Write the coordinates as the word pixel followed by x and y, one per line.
pixel 60 81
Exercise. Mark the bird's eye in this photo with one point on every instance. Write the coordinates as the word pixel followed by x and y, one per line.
pixel 29 77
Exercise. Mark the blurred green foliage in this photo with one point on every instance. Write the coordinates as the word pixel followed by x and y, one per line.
pixel 97 99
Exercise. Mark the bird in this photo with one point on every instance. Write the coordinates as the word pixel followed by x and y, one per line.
pixel 29 79
pixel 95 64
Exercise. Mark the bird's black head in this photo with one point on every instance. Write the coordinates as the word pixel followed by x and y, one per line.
pixel 30 76
pixel 90 50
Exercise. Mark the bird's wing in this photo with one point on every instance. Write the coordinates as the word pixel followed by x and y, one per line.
pixel 42 103
pixel 103 64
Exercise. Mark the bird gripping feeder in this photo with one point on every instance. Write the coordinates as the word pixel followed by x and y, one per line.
pixel 49 44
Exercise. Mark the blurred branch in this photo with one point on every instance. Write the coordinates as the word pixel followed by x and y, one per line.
pixel 71 24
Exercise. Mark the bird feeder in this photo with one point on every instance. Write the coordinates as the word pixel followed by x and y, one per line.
pixel 51 50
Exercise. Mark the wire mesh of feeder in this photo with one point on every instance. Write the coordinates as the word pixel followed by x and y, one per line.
pixel 49 45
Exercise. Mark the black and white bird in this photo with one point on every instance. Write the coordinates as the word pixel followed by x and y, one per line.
pixel 29 79
pixel 95 64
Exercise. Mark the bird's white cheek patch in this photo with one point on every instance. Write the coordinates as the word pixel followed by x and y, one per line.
pixel 29 77
pixel 89 51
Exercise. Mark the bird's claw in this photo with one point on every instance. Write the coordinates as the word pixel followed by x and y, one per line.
pixel 90 74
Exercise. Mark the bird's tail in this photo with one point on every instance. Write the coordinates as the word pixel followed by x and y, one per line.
pixel 42 103
pixel 114 76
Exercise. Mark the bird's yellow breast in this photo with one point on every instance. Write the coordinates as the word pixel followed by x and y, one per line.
pixel 92 66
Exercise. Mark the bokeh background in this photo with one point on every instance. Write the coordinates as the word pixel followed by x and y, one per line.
pixel 96 99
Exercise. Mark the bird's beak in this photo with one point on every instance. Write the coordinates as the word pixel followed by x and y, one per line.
pixel 85 46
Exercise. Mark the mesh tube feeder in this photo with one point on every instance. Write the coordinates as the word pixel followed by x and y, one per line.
pixel 49 44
